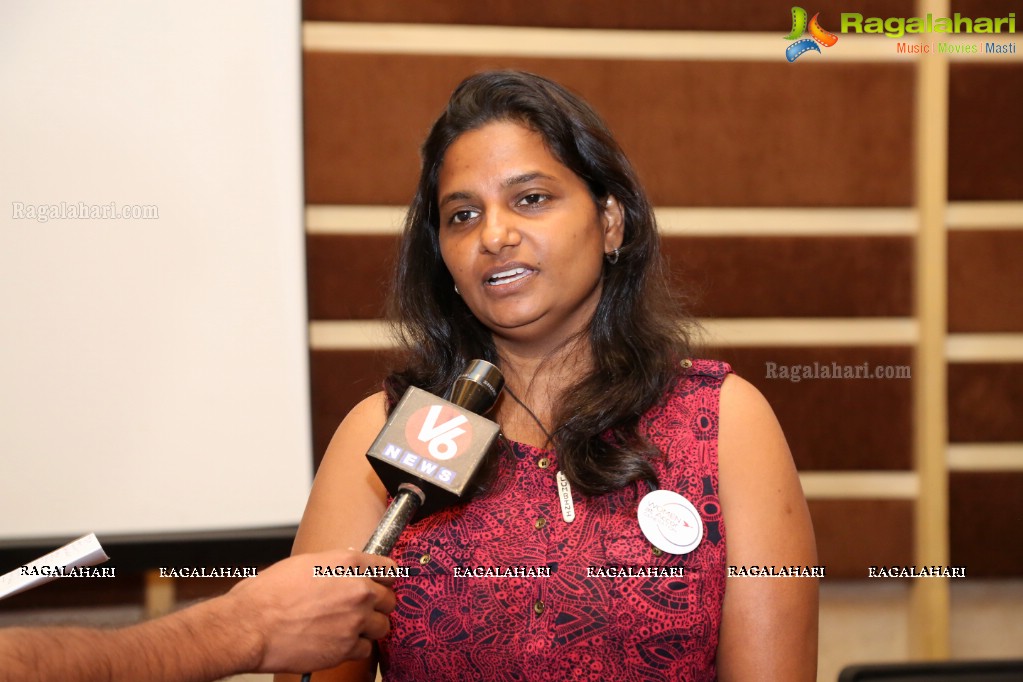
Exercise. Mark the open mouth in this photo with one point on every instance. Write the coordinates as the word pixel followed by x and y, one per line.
pixel 507 277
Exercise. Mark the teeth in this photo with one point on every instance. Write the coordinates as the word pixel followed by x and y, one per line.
pixel 508 276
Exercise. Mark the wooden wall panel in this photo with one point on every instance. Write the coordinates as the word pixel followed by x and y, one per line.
pixel 722 276
pixel 853 535
pixel 838 134
pixel 349 276
pixel 986 513
pixel 985 137
pixel 985 277
pixel 836 425
pixel 339 380
pixel 985 402
pixel 692 15
pixel 727 134
pixel 795 276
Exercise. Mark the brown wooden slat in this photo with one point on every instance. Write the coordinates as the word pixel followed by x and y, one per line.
pixel 700 133
pixel 349 275
pixel 985 515
pixel 692 15
pixel 339 380
pixel 836 424
pixel 985 137
pixel 985 279
pixel 795 276
pixel 985 402
pixel 853 535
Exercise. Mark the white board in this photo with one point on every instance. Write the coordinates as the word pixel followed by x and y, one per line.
pixel 153 369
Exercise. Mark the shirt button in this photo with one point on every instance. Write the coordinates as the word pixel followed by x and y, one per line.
pixel 538 608
pixel 544 463
pixel 687 363
pixel 657 551
pixel 539 523
pixel 425 559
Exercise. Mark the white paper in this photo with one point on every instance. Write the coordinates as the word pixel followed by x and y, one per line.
pixel 85 551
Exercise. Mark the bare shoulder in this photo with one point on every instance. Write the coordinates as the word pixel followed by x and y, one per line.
pixel 363 422
pixel 769 627
pixel 347 498
pixel 757 473
pixel 741 401
pixel 749 436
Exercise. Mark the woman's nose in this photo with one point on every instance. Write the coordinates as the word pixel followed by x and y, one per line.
pixel 499 230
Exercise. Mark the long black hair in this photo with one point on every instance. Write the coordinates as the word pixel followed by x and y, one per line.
pixel 638 333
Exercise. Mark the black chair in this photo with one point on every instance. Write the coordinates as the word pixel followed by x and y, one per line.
pixel 936 671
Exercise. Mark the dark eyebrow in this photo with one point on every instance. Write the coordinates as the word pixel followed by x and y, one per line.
pixel 522 179
pixel 455 196
pixel 526 177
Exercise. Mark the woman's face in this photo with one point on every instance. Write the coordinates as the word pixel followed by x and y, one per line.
pixel 521 234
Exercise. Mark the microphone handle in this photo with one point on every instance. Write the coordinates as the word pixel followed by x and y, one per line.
pixel 401 510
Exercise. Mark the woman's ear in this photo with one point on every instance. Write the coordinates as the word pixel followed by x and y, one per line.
pixel 613 218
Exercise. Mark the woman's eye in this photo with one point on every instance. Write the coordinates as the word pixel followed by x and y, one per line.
pixel 533 199
pixel 462 216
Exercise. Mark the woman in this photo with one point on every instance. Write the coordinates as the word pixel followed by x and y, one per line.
pixel 531 244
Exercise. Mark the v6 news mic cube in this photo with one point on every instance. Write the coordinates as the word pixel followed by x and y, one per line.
pixel 433 444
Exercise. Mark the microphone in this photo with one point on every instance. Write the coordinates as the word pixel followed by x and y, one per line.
pixel 430 449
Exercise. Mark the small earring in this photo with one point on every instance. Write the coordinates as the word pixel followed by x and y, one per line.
pixel 457 291
pixel 612 257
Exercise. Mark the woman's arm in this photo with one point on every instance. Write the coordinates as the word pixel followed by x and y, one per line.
pixel 769 625
pixel 346 502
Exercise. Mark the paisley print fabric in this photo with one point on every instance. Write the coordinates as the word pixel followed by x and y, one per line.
pixel 559 615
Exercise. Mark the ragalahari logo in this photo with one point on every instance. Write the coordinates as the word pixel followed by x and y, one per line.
pixel 817 35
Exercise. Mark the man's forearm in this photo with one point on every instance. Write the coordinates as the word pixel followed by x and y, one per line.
pixel 283 620
pixel 203 642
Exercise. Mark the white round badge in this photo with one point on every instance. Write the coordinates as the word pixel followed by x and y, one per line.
pixel 670 522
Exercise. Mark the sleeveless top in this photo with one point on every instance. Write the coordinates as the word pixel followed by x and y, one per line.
pixel 575 623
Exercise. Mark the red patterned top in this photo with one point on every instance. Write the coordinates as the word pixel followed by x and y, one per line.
pixel 575 624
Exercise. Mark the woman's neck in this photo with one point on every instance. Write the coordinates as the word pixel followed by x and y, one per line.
pixel 535 385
